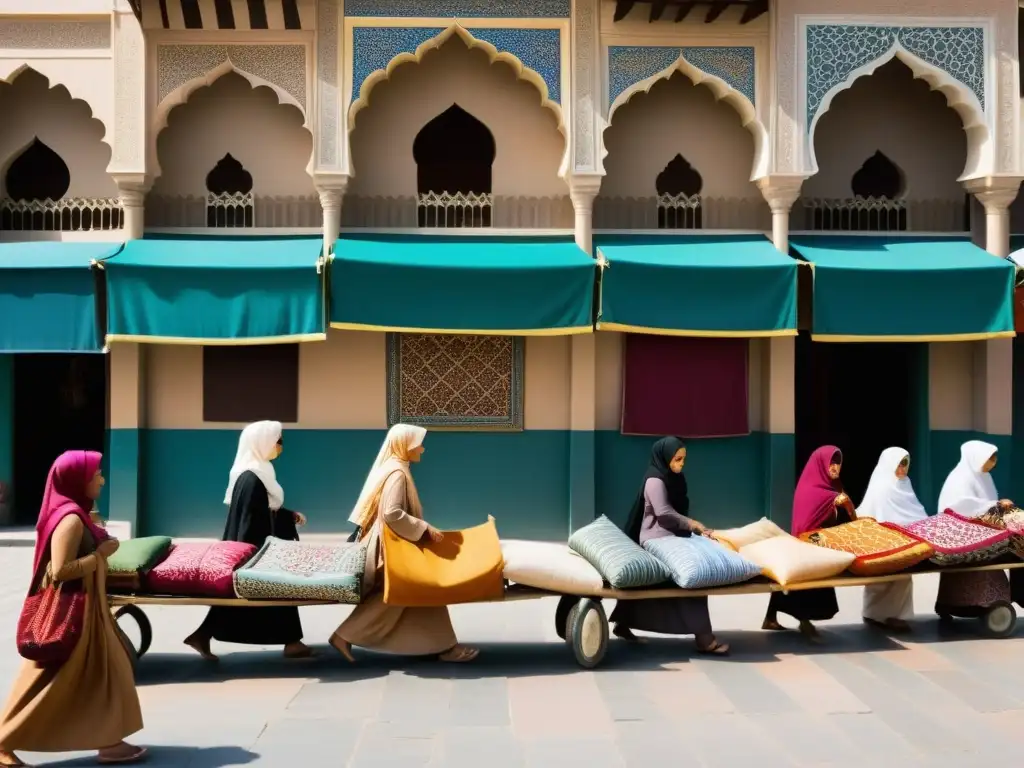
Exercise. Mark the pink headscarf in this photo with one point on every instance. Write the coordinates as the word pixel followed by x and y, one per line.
pixel 814 500
pixel 65 495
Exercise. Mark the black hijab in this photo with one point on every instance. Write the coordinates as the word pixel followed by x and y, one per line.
pixel 662 453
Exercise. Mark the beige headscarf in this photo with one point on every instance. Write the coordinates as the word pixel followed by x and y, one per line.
pixel 392 457
pixel 255 448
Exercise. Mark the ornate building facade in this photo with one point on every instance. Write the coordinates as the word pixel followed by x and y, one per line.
pixel 547 230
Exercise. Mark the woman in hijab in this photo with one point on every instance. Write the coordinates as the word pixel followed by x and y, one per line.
pixel 389 498
pixel 255 511
pixel 660 509
pixel 819 502
pixel 970 492
pixel 890 498
pixel 89 701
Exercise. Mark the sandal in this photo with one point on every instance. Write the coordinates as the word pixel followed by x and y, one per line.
pixel 16 764
pixel 134 757
pixel 715 649
pixel 304 652
pixel 460 654
pixel 772 625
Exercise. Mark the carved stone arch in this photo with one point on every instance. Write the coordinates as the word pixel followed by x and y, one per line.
pixel 722 91
pixel 964 101
pixel 523 72
pixel 180 96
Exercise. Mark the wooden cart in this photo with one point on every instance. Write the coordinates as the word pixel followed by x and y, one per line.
pixel 582 621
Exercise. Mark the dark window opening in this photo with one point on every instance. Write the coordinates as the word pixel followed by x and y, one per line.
pixel 878 203
pixel 679 186
pixel 230 201
pixel 878 177
pixel 246 384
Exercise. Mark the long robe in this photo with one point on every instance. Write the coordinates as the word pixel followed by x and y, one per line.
pixel 90 701
pixel 251 520
pixel 388 628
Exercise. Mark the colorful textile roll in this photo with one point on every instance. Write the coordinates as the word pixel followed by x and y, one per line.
pixel 878 550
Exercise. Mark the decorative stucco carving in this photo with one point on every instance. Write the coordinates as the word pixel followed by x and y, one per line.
pixel 459 9
pixel 329 112
pixel 55 35
pixel 584 111
pixel 129 148
pixel 631 64
pixel 282 65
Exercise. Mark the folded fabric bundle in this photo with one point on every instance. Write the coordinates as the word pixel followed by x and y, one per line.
pixel 133 560
pixel 957 540
pixel 1011 520
pixel 787 560
pixel 464 567
pixel 621 561
pixel 550 566
pixel 296 570
pixel 199 569
pixel 736 538
pixel 877 550
pixel 697 562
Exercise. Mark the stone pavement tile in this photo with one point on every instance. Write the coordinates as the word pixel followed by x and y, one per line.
pixel 988 662
pixel 687 683
pixel 730 741
pixel 971 691
pixel 811 687
pixel 746 687
pixel 353 699
pixel 807 738
pixel 307 742
pixel 917 657
pixel 868 740
pixel 394 745
pixel 421 700
pixel 651 744
pixel 627 695
pixel 555 705
pixel 495 747
pixel 480 702
pixel 569 750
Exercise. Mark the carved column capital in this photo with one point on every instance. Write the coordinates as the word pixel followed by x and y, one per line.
pixel 781 191
pixel 132 188
pixel 996 193
pixel 331 189
pixel 583 188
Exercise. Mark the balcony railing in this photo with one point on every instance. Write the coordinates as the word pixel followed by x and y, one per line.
pixel 70 214
pixel 454 209
pixel 235 210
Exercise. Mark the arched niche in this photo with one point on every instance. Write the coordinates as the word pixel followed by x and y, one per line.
pixel 36 112
pixel 454 152
pixel 878 178
pixel 529 144
pixel 893 113
pixel 231 116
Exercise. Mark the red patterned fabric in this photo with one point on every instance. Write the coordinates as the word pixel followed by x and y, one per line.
pixel 957 540
pixel 51 624
pixel 200 569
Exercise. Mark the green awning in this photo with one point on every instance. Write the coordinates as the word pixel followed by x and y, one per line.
pixel 700 285
pixel 48 296
pixel 909 288
pixel 521 286
pixel 216 290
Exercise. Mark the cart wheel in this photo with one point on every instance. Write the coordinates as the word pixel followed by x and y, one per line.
pixel 999 620
pixel 565 604
pixel 587 629
pixel 142 622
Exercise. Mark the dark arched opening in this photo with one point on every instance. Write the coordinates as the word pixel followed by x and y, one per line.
pixel 229 200
pixel 679 186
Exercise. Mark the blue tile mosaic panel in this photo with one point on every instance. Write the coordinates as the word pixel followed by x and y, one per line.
pixel 373 48
pixel 459 9
pixel 631 64
pixel 834 51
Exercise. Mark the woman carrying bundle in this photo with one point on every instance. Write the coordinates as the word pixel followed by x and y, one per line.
pixel 819 502
pixel 890 498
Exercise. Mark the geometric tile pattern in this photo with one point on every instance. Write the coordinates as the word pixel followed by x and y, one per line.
pixel 630 64
pixel 459 9
pixel 836 50
pixel 455 380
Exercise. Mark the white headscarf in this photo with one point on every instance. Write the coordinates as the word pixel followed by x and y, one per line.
pixel 891 499
pixel 968 491
pixel 392 457
pixel 255 448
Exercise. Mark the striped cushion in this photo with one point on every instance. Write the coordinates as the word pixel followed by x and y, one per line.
pixel 697 562
pixel 620 560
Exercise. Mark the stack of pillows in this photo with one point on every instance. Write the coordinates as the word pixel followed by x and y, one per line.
pixel 156 565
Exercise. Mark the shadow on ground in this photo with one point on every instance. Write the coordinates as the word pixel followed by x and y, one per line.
pixel 174 757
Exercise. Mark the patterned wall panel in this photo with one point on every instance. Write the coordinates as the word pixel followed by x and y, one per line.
pixel 460 9
pixel 455 381
pixel 373 48
pixel 834 51
pixel 631 64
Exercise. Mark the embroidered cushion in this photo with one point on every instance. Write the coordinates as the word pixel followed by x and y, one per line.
pixel 697 562
pixel 748 534
pixel 620 560
pixel 135 557
pixel 550 566
pixel 296 570
pixel 1011 520
pixel 787 560
pixel 878 550
pixel 957 540
pixel 200 569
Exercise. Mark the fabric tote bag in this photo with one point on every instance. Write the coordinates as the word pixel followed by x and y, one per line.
pixel 51 624
pixel 465 567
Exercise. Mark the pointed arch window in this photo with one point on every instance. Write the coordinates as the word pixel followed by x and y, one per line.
pixel 454 155
pixel 878 203
pixel 229 199
pixel 679 202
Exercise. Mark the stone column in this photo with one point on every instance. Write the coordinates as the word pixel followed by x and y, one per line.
pixel 779 370
pixel 132 189
pixel 331 188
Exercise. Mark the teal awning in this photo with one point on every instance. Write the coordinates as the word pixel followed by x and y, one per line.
pixel 909 288
pixel 700 285
pixel 518 286
pixel 48 296
pixel 216 290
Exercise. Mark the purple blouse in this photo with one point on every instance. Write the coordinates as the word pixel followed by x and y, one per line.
pixel 660 519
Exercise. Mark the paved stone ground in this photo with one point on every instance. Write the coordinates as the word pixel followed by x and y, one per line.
pixel 933 700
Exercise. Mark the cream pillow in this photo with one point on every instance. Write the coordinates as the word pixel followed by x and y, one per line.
pixel 749 534
pixel 787 560
pixel 550 566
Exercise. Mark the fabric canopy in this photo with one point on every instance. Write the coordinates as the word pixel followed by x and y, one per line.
pixel 700 285
pixel 48 296
pixel 519 286
pixel 907 288
pixel 216 290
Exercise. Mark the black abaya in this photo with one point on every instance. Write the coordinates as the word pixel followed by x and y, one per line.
pixel 251 520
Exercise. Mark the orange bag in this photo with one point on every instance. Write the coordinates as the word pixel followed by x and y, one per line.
pixel 465 567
